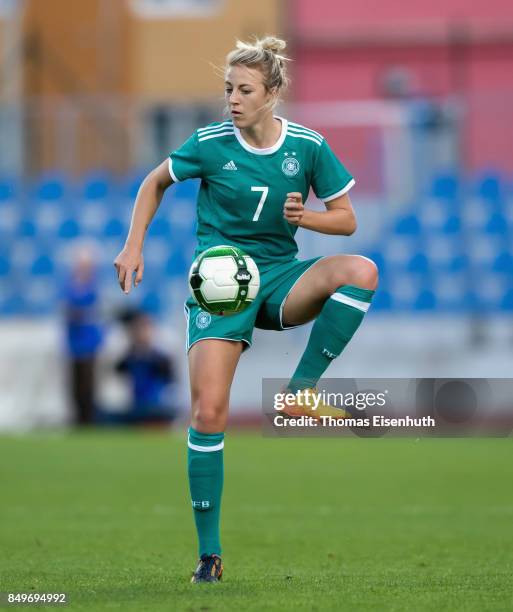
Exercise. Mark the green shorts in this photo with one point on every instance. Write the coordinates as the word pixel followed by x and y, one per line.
pixel 276 282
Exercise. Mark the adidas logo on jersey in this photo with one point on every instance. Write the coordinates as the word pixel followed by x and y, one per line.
pixel 230 166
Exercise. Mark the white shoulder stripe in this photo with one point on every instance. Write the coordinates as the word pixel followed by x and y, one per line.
pixel 302 127
pixel 298 131
pixel 216 135
pixel 172 172
pixel 298 126
pixel 316 140
pixel 210 128
pixel 341 192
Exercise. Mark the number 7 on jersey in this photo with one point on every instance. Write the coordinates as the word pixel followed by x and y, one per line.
pixel 265 191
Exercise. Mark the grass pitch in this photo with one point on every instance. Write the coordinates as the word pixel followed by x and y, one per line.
pixel 323 524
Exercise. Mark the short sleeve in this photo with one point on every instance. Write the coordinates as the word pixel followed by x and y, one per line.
pixel 330 179
pixel 185 162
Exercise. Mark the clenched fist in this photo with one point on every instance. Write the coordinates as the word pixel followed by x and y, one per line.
pixel 294 208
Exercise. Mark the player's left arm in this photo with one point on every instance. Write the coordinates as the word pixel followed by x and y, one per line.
pixel 338 218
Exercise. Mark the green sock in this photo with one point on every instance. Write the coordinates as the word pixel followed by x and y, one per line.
pixel 336 324
pixel 205 462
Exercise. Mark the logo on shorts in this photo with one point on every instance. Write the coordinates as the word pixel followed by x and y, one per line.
pixel 290 166
pixel 203 319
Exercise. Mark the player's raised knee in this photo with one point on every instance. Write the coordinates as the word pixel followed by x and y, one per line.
pixel 365 273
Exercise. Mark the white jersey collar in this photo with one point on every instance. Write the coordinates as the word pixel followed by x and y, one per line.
pixel 268 150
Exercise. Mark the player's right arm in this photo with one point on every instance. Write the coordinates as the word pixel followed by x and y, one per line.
pixel 148 199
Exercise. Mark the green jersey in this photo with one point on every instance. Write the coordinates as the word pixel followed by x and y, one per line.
pixel 243 188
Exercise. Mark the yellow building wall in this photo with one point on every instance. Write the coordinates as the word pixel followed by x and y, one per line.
pixel 84 63
pixel 76 47
pixel 171 59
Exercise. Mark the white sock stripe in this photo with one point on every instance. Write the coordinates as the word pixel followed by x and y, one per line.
pixel 205 449
pixel 345 299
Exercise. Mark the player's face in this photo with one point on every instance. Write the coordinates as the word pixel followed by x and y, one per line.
pixel 246 95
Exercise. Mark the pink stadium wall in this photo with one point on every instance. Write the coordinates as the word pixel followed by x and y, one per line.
pixel 447 45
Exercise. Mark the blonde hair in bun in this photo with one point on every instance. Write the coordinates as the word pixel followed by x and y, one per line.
pixel 266 54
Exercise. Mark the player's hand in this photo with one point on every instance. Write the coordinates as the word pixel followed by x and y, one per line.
pixel 128 262
pixel 294 208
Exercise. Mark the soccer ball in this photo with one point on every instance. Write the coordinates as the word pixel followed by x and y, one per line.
pixel 223 280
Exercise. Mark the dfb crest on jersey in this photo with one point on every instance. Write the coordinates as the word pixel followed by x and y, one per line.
pixel 203 319
pixel 290 166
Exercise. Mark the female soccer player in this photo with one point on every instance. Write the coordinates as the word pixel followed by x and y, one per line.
pixel 256 170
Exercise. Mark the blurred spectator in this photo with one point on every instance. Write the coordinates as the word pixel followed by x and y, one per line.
pixel 150 373
pixel 84 332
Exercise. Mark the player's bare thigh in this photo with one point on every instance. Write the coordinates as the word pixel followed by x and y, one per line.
pixel 212 365
pixel 307 297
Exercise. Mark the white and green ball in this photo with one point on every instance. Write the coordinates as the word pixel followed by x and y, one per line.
pixel 224 280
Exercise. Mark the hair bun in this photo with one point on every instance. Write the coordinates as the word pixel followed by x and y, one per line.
pixel 272 44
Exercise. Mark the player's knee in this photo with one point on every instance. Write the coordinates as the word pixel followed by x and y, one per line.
pixel 365 273
pixel 208 414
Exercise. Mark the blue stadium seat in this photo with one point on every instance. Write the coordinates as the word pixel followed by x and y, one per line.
pixel 445 186
pixel 418 263
pixel 50 186
pixel 425 300
pixel 458 263
pixel 130 184
pixel 507 300
pixel 114 228
pixel 5 265
pixel 408 225
pixel 490 186
pixel 97 185
pixel 452 225
pixel 161 227
pixel 382 300
pixel 188 190
pixel 27 228
pixel 503 263
pixel 68 229
pixel 496 224
pixel 8 189
pixel 12 304
pixel 151 303
pixel 42 266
